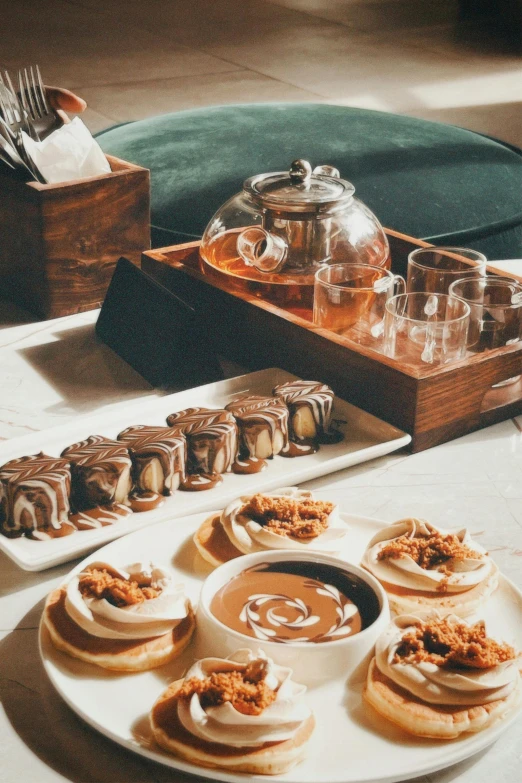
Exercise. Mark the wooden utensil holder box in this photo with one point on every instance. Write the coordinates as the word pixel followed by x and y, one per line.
pixel 59 244
pixel 433 404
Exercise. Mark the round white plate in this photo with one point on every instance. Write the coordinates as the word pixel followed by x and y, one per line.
pixel 351 743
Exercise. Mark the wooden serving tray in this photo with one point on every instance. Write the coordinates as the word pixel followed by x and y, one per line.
pixel 433 404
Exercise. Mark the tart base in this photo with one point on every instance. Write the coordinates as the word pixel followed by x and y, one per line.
pixel 430 720
pixel 119 655
pixel 213 544
pixel 403 601
pixel 272 758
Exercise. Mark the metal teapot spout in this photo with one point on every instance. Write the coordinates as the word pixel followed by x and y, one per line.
pixel 259 248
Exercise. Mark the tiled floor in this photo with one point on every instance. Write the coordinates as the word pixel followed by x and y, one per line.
pixel 132 59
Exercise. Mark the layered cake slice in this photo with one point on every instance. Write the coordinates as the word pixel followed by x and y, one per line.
pixel 34 497
pixel 263 425
pixel 101 472
pixel 158 457
pixel 310 405
pixel 212 442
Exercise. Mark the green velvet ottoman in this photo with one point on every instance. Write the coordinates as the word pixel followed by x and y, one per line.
pixel 432 181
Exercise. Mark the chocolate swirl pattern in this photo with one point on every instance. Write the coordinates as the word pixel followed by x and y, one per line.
pixel 310 404
pixel 265 624
pixel 211 438
pixel 158 456
pixel 288 606
pixel 101 472
pixel 34 497
pixel 263 425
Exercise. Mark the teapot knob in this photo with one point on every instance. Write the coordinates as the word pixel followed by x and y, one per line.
pixel 300 171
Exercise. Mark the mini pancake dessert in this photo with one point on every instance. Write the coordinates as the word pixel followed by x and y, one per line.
pixel 243 713
pixel 158 458
pixel 310 404
pixel 123 619
pixel 263 429
pixel 101 472
pixel 422 567
pixel 288 518
pixel 211 444
pixel 34 497
pixel 439 677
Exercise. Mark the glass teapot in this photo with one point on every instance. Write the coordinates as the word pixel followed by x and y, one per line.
pixel 286 225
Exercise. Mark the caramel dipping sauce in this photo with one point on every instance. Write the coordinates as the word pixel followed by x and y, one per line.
pixel 296 601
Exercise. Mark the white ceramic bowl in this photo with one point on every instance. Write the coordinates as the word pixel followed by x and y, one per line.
pixel 312 663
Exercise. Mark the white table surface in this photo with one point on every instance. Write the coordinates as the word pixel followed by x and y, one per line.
pixel 54 371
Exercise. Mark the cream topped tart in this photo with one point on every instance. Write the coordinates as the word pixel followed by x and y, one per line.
pixel 243 713
pixel 422 566
pixel 125 619
pixel 438 676
pixel 288 518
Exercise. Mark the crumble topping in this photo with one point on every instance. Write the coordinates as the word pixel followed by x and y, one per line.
pixel 246 690
pixel 430 551
pixel 289 517
pixel 452 645
pixel 99 583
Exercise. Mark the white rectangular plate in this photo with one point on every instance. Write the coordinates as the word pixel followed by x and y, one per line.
pixel 366 437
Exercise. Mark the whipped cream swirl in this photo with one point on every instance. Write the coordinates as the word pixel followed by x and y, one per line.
pixel 458 574
pixel 249 536
pixel 441 685
pixel 152 617
pixel 226 725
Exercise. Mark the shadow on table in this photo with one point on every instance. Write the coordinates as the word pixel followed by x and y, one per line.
pixel 52 731
pixel 84 371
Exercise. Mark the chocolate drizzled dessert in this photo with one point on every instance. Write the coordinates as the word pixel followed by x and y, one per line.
pixel 34 497
pixel 263 426
pixel 101 472
pixel 211 443
pixel 158 457
pixel 310 405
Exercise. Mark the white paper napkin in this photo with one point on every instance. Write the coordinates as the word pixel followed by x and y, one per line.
pixel 70 152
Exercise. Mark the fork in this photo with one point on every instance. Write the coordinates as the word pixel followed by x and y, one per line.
pixel 34 102
pixel 12 110
pixel 15 120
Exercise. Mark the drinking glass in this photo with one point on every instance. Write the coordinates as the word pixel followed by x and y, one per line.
pixel 496 313
pixel 426 328
pixel 433 269
pixel 350 299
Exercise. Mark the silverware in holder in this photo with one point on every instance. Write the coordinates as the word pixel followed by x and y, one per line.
pixel 27 111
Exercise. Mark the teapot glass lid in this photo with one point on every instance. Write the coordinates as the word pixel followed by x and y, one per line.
pixel 300 189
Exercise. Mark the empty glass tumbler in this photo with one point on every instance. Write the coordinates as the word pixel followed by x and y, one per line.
pixel 496 313
pixel 434 269
pixel 426 329
pixel 350 300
